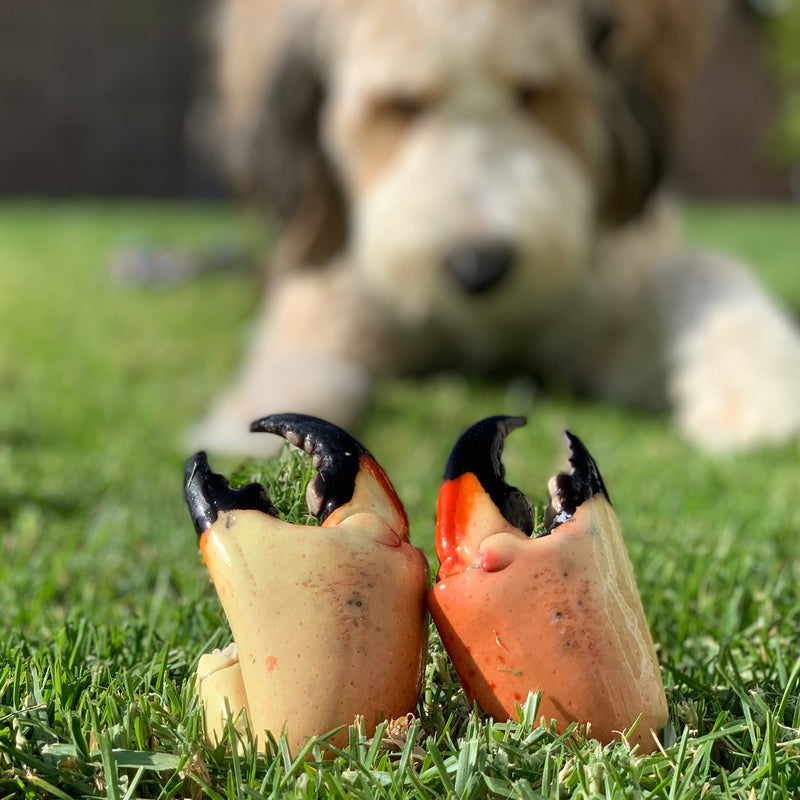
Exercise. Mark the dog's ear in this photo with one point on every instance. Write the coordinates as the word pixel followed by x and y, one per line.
pixel 291 172
pixel 646 53
pixel 269 91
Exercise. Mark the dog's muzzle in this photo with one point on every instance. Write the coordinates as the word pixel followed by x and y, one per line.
pixel 477 268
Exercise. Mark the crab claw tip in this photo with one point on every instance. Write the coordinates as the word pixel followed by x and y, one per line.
pixel 570 490
pixel 207 493
pixel 479 451
pixel 335 454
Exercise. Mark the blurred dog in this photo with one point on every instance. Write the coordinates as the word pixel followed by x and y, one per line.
pixel 476 184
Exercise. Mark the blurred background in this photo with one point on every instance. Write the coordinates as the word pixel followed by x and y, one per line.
pixel 96 98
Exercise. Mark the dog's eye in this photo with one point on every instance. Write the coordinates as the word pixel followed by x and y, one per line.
pixel 528 96
pixel 402 107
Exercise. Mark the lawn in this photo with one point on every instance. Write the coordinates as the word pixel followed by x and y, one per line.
pixel 106 604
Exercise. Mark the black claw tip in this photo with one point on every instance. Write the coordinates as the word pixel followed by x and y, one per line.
pixel 479 451
pixel 207 493
pixel 570 490
pixel 336 457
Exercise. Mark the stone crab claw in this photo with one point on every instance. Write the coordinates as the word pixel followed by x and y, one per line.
pixel 329 621
pixel 559 612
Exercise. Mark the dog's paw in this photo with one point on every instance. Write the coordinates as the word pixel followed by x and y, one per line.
pixel 736 379
pixel 226 430
pixel 332 389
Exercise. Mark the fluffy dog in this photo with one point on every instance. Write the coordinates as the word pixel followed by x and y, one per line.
pixel 477 184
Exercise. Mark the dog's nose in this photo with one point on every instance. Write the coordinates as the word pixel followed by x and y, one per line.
pixel 476 268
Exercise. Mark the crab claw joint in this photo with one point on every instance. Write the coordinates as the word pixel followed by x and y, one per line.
pixel 559 613
pixel 329 621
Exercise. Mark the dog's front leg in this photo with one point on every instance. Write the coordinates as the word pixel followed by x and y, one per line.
pixel 733 355
pixel 313 351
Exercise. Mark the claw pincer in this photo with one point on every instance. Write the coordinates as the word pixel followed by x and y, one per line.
pixel 329 621
pixel 559 613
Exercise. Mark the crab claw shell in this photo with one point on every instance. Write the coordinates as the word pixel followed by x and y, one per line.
pixel 559 613
pixel 221 690
pixel 329 620
pixel 475 498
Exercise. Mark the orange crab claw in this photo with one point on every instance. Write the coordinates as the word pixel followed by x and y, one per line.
pixel 559 613
pixel 329 621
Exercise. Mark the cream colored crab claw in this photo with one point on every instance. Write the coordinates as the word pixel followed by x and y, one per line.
pixel 559 613
pixel 329 621
pixel 221 690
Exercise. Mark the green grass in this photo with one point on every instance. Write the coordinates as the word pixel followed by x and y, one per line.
pixel 106 604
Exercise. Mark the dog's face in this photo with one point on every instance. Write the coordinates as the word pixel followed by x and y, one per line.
pixel 462 154
pixel 469 144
